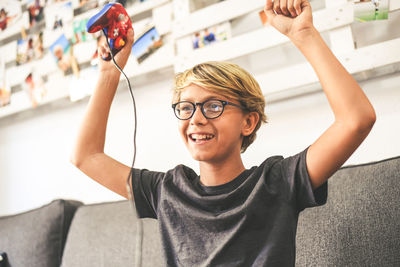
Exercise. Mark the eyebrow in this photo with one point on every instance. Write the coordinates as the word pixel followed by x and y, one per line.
pixel 205 99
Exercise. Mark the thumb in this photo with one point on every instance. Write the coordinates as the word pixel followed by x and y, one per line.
pixel 130 37
pixel 268 10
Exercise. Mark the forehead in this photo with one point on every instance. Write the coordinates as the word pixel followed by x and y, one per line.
pixel 194 92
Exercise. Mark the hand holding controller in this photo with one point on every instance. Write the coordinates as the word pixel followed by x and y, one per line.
pixel 115 23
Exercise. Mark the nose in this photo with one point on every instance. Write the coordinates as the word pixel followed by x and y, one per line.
pixel 198 117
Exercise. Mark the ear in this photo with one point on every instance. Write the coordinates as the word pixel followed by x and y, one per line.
pixel 250 122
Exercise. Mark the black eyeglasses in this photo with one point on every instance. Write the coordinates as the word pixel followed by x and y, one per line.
pixel 211 109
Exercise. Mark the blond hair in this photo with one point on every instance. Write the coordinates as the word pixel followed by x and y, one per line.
pixel 230 81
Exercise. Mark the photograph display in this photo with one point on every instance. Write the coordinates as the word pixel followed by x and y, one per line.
pixel 5 92
pixel 368 10
pixel 58 14
pixel 146 44
pixel 30 48
pixel 35 88
pixel 10 13
pixel 80 33
pixel 63 55
pixel 36 11
pixel 211 35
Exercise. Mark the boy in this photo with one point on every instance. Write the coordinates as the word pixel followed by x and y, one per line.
pixel 229 215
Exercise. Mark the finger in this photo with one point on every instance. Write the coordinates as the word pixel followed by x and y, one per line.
pixel 291 8
pixel 268 9
pixel 130 37
pixel 297 6
pixel 283 6
pixel 103 51
pixel 277 8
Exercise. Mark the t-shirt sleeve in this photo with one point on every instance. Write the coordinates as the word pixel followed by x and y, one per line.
pixel 146 188
pixel 294 170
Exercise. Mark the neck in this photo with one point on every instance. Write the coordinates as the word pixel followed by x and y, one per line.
pixel 213 174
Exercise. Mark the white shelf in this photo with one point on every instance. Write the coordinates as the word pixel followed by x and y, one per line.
pixel 162 58
pixel 20 100
pixel 373 57
pixel 139 8
pixel 324 20
pixel 215 14
pixel 383 57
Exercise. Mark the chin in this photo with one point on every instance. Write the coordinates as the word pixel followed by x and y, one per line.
pixel 201 156
pixel 198 157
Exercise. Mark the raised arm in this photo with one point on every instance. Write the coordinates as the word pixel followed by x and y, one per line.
pixel 88 153
pixel 354 114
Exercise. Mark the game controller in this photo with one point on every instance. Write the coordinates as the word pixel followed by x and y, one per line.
pixel 115 23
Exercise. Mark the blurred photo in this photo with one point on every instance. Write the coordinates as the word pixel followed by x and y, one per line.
pixel 35 88
pixel 5 92
pixel 58 15
pixel 211 35
pixel 36 11
pixel 30 48
pixel 10 12
pixel 63 55
pixel 368 10
pixel 80 34
pixel 146 44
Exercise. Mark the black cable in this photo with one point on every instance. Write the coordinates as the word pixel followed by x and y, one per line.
pixel 139 223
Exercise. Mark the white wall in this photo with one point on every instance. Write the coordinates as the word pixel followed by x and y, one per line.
pixel 35 169
pixel 35 147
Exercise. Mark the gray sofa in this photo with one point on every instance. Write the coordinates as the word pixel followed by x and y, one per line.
pixel 359 226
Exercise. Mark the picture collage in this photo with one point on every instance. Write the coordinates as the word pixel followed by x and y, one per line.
pixel 49 38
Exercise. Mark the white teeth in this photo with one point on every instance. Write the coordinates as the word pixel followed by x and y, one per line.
pixel 202 136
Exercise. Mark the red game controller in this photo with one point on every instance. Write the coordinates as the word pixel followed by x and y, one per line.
pixel 115 23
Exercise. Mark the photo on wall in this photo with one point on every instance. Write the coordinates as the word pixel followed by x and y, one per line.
pixel 10 13
pixel 61 49
pixel 369 10
pixel 35 88
pixel 80 34
pixel 29 48
pixel 5 92
pixel 35 10
pixel 208 36
pixel 58 15
pixel 146 44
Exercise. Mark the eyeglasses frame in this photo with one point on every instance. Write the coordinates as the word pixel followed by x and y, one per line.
pixel 201 104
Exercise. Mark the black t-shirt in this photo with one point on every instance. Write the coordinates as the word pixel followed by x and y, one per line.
pixel 249 221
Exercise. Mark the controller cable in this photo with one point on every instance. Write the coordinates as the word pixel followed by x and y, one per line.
pixel 139 223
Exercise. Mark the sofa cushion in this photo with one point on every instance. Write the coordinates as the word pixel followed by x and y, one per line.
pixel 105 235
pixel 360 223
pixel 36 238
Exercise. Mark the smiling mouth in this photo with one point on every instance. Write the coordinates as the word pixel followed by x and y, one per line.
pixel 201 137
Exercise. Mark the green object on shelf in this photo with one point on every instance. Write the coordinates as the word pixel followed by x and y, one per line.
pixel 80 34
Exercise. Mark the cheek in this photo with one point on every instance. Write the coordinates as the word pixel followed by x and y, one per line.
pixel 182 127
pixel 232 129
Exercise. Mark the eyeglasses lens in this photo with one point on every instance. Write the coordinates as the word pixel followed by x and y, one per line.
pixel 210 108
pixel 184 110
